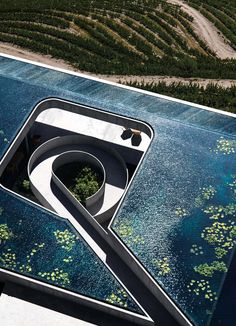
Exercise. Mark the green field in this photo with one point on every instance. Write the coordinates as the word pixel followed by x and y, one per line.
pixel 120 37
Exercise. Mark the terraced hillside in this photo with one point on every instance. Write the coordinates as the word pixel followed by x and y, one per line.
pixel 222 14
pixel 115 37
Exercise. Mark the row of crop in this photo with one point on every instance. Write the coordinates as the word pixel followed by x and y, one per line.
pixel 155 21
pixel 219 13
pixel 156 27
pixel 121 30
pixel 66 15
pixel 114 25
pixel 48 41
pixel 102 35
pixel 150 37
pixel 169 30
pixel 164 30
pixel 99 33
pixel 152 22
pixel 229 11
pixel 174 16
pixel 141 43
pixel 190 30
pixel 205 67
pixel 71 39
pixel 185 66
pixel 224 24
pixel 211 95
pixel 164 13
pixel 106 13
pixel 60 52
pixel 59 49
pixel 34 17
pixel 222 5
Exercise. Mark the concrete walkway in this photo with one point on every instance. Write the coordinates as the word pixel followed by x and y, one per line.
pixel 116 179
pixel 17 312
pixel 89 126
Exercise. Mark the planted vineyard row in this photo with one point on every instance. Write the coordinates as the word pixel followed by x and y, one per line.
pixel 86 45
pixel 222 14
pixel 120 37
pixel 212 95
pixel 36 18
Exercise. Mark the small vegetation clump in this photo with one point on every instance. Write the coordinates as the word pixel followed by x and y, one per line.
pixel 68 259
pixel 222 235
pixel 3 138
pixel 196 250
pixel 8 259
pixel 66 239
pixel 163 265
pixel 23 186
pixel 225 146
pixel 119 298
pixel 220 252
pixel 202 287
pixel 125 230
pixel 181 212
pixel 57 276
pixel 206 194
pixel 209 269
pixel 232 184
pixel 5 233
pixel 219 212
pixel 27 267
pixel 82 180
pixel 85 184
pixel 26 185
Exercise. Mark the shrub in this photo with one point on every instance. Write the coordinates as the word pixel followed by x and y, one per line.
pixel 26 185
pixel 5 233
pixel 85 184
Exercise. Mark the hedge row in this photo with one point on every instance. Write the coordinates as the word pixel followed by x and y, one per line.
pixel 212 95
pixel 35 17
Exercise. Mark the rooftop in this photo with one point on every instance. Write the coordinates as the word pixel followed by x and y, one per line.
pixel 176 222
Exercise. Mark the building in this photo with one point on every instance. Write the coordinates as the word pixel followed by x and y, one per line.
pixel 154 243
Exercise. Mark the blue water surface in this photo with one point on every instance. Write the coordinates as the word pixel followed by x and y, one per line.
pixel 188 169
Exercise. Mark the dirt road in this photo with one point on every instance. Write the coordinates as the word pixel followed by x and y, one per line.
pixel 25 54
pixel 207 32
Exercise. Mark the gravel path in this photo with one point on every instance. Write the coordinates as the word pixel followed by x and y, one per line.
pixel 207 32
